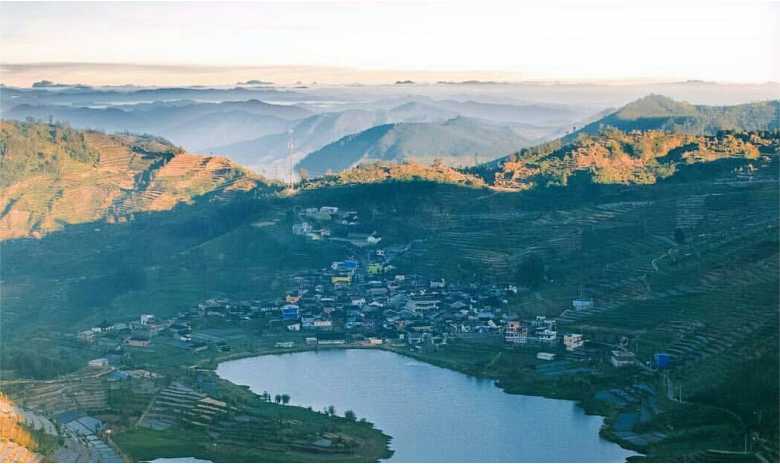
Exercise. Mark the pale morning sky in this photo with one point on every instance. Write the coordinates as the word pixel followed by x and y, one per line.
pixel 723 41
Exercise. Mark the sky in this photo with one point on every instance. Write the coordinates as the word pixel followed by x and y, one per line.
pixel 375 40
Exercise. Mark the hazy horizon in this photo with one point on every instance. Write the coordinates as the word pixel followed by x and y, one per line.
pixel 152 75
pixel 350 42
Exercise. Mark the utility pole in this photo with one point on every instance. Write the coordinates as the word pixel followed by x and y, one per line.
pixel 290 149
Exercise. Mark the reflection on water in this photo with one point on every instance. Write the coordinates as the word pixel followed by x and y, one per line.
pixel 433 414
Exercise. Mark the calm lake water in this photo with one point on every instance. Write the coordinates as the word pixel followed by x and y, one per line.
pixel 433 414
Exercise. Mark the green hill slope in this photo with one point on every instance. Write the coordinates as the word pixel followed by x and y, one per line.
pixel 656 112
pixel 613 156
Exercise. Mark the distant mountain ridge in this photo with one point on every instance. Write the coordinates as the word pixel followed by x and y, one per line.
pixel 191 124
pixel 85 95
pixel 268 154
pixel 459 141
pixel 239 123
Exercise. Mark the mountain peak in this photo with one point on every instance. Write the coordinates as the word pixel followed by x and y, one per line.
pixel 658 112
pixel 655 105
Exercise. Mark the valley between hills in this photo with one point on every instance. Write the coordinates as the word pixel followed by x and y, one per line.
pixel 132 268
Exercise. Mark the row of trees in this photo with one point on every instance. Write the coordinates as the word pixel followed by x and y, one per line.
pixel 348 414
pixel 284 398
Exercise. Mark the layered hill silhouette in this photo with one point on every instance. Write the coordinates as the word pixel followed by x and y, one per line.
pixel 269 153
pixel 52 175
pixel 194 125
pixel 459 141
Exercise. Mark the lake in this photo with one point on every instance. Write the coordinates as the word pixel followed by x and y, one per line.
pixel 433 414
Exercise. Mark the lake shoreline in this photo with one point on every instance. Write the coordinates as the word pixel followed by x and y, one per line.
pixel 583 402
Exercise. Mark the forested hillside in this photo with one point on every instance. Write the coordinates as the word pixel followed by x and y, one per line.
pixel 52 175
pixel 656 112
pixel 616 157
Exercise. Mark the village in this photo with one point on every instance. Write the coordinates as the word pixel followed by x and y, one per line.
pixel 364 301
pixel 367 298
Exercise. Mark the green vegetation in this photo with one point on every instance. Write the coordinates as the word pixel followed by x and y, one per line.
pixel 656 112
pixel 377 172
pixel 616 157
pixel 255 430
pixel 34 149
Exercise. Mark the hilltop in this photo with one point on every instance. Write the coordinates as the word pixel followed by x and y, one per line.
pixel 52 175
pixel 407 171
pixel 657 112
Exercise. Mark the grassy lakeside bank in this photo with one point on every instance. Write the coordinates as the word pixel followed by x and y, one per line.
pixel 276 434
pixel 691 429
pixel 251 429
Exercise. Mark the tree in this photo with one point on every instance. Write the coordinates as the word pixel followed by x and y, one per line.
pixel 679 236
pixel 278 398
pixel 285 398
pixel 331 411
pixel 531 271
pixel 350 415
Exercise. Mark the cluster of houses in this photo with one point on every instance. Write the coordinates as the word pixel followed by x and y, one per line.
pixel 89 431
pixel 361 300
pixel 316 223
pixel 330 222
pixel 137 333
pixel 366 300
